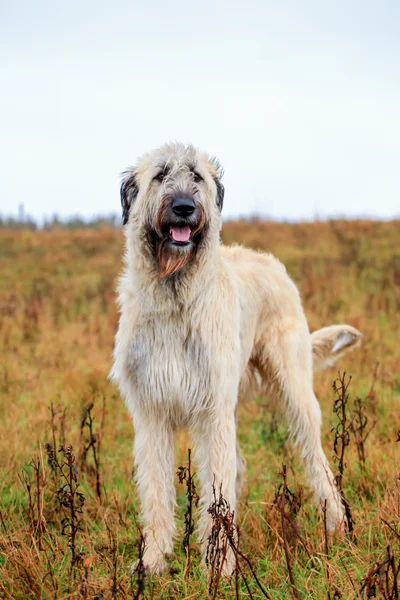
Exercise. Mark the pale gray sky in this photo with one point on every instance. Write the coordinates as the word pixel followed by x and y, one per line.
pixel 299 100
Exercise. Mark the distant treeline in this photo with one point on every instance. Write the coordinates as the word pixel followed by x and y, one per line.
pixel 56 222
pixel 113 220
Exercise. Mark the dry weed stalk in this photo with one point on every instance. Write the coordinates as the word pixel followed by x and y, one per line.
pixel 71 500
pixel 392 529
pixel 113 549
pixel 57 425
pixel 360 421
pixel 360 430
pixel 217 544
pixel 224 536
pixel 342 438
pixel 383 578
pixel 327 565
pixel 86 424
pixel 35 491
pixel 284 497
pixel 139 570
pixel 185 475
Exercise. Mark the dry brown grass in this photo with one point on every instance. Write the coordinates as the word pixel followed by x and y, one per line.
pixel 58 319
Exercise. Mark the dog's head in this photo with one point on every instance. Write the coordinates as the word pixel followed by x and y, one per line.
pixel 171 204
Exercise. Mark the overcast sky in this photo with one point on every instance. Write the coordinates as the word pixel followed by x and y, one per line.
pixel 299 100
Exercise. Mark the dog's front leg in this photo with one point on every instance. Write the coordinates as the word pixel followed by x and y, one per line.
pixel 154 462
pixel 215 444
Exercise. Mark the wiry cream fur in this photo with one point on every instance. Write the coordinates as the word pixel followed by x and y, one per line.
pixel 187 344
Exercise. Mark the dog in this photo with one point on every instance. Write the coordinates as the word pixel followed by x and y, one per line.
pixel 201 326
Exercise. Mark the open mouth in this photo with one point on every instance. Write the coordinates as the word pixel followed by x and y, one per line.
pixel 180 235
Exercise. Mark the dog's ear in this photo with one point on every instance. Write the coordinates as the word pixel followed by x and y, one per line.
pixel 218 174
pixel 220 193
pixel 129 191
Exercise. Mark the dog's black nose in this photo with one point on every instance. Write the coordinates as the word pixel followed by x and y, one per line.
pixel 183 207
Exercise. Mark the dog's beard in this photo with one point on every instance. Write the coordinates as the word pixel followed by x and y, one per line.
pixel 171 261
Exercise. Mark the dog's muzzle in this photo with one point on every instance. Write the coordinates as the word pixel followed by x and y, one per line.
pixel 182 209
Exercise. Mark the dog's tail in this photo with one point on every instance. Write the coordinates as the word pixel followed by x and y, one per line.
pixel 330 343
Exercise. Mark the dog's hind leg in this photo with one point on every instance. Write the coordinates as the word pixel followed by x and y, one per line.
pixel 285 358
pixel 154 461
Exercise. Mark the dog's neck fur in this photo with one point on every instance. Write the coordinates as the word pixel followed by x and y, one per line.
pixel 175 291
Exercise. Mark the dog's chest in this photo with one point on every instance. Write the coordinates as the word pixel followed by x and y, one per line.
pixel 170 363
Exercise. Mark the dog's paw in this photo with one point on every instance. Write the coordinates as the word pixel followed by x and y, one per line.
pixel 335 516
pixel 153 562
pixel 227 568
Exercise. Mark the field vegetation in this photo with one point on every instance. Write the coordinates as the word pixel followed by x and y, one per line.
pixel 69 524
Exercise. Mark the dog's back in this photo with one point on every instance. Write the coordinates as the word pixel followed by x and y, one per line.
pixel 266 291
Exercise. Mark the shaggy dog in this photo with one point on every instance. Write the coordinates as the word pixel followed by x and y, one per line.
pixel 201 325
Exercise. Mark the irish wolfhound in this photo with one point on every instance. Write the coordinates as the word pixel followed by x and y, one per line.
pixel 200 325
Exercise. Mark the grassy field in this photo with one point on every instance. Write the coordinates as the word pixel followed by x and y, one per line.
pixel 68 522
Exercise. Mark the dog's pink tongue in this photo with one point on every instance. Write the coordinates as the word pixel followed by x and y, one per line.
pixel 180 234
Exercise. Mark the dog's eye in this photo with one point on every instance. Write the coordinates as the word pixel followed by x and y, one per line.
pixel 197 177
pixel 161 176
